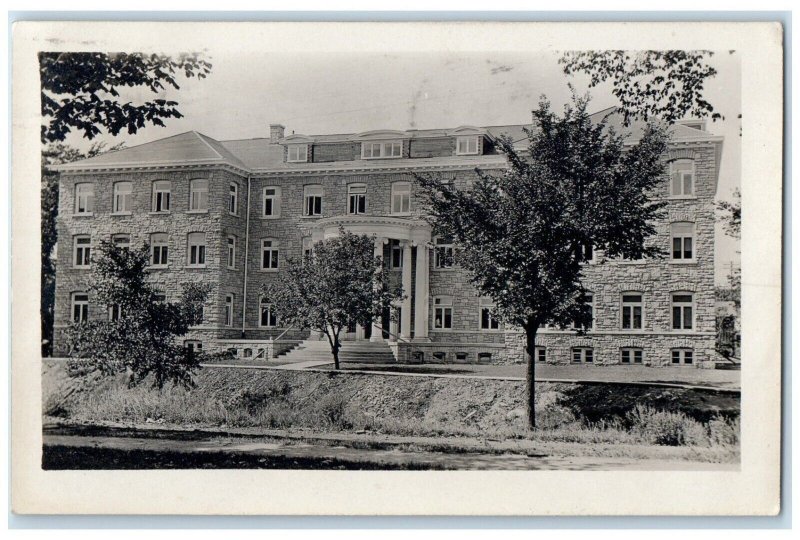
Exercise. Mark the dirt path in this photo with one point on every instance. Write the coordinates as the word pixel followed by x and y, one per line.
pixel 63 451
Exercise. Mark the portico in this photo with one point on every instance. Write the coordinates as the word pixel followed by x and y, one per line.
pixel 413 238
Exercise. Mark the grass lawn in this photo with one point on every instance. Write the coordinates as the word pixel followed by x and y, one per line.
pixel 639 374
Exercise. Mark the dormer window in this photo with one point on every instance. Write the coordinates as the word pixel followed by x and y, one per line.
pixel 379 150
pixel 467 146
pixel 297 153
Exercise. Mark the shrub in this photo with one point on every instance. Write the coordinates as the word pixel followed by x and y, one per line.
pixel 666 428
pixel 724 431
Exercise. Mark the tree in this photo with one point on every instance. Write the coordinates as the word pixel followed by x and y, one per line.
pixel 55 154
pixel 650 85
pixel 731 214
pixel 522 232
pixel 80 90
pixel 139 337
pixel 341 284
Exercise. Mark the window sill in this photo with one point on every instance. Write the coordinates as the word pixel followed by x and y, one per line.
pixel 297 161
pixel 684 262
pixel 233 214
pixel 632 263
pixel 269 270
pixel 159 213
pixel 380 157
pixel 682 197
pixel 197 211
pixel 195 266
pixel 158 267
pixel 121 213
pixel 272 217
pixel 230 268
pixel 83 214
pixel 401 214
pixel 476 153
pixel 81 267
pixel 317 216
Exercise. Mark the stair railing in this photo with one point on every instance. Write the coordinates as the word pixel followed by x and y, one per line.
pixel 391 334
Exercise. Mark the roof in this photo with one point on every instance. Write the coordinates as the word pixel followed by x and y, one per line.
pixel 261 154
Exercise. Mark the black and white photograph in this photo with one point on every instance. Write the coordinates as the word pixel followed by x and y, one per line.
pixel 441 259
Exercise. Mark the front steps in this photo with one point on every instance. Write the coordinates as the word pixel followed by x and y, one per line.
pixel 353 352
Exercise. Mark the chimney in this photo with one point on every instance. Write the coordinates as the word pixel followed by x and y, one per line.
pixel 276 132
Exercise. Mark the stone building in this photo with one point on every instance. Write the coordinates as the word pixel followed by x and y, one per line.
pixel 228 213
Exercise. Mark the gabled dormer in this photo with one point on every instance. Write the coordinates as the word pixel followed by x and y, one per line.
pixel 298 148
pixel 469 140
pixel 382 144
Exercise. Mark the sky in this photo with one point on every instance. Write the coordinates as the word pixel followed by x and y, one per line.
pixel 325 93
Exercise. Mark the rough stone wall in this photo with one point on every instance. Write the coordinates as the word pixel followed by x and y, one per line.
pixel 217 223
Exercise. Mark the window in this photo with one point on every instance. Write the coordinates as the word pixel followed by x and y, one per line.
pixel 682 356
pixel 632 311
pixel 197 249
pixel 80 307
pixel 268 318
pixel 114 312
pixel 631 355
pixel 484 357
pixel 272 202
pixel 159 298
pixel 376 150
pixel 82 251
pixel 122 241
pixel 312 196
pixel 401 198
pixel 356 199
pixel 682 311
pixel 682 177
pixel 161 195
pixel 682 241
pixel 589 299
pixel 193 346
pixel 159 247
pixel 233 198
pixel 297 153
pixel 488 321
pixel 84 198
pixel 228 310
pixel 462 357
pixel 440 356
pixel 582 355
pixel 231 252
pixel 198 195
pixel 467 145
pixel 308 246
pixel 541 354
pixel 269 254
pixel 587 252
pixel 443 312
pixel 396 258
pixel 443 255
pixel 122 197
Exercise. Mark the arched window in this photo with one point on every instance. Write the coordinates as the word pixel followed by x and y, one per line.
pixel 682 311
pixel 123 195
pixel 271 202
pixel 681 177
pixel 198 195
pixel 682 235
pixel 159 249
pixel 84 198
pixel 269 254
pixel 632 311
pixel 197 249
pixel 162 193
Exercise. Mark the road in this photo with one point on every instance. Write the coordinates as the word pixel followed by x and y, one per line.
pixel 67 451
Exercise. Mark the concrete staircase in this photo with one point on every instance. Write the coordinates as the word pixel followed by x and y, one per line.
pixel 360 352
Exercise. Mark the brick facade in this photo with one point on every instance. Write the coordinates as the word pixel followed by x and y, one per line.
pixel 334 165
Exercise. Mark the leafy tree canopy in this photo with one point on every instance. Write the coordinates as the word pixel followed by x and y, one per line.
pixel 522 232
pixel 650 85
pixel 142 340
pixel 731 214
pixel 80 90
pixel 342 283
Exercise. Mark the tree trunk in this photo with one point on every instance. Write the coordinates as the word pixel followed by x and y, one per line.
pixel 335 351
pixel 530 347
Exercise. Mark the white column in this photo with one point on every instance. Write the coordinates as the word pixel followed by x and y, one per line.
pixel 421 301
pixel 377 333
pixel 405 325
